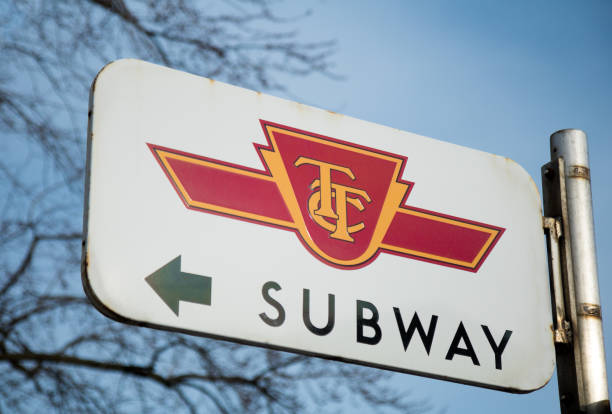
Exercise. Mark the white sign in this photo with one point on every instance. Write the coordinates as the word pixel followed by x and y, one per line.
pixel 224 212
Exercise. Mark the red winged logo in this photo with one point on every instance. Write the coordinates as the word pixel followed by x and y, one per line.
pixel 345 202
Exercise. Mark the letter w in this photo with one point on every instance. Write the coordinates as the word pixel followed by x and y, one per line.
pixel 415 323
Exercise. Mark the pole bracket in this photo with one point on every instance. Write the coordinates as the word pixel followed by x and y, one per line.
pixel 562 327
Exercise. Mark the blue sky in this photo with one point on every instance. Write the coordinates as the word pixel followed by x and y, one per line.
pixel 495 76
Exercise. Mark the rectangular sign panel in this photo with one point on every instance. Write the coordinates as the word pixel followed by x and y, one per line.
pixel 224 212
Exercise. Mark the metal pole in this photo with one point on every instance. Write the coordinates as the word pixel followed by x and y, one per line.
pixel 571 144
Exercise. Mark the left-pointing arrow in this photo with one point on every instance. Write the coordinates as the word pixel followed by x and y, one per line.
pixel 172 285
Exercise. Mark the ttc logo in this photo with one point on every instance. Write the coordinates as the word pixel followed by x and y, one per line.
pixel 345 202
pixel 320 202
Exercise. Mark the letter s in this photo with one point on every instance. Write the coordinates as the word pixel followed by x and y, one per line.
pixel 275 304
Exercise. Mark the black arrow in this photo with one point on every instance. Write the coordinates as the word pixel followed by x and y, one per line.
pixel 172 285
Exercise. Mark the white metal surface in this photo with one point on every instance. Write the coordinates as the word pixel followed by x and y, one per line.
pixel 136 222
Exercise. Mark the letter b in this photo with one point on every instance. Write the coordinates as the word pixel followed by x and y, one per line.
pixel 372 323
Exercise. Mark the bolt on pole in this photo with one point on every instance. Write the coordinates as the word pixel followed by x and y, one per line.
pixel 587 333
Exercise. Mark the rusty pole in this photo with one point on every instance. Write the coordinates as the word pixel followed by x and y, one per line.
pixel 588 344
